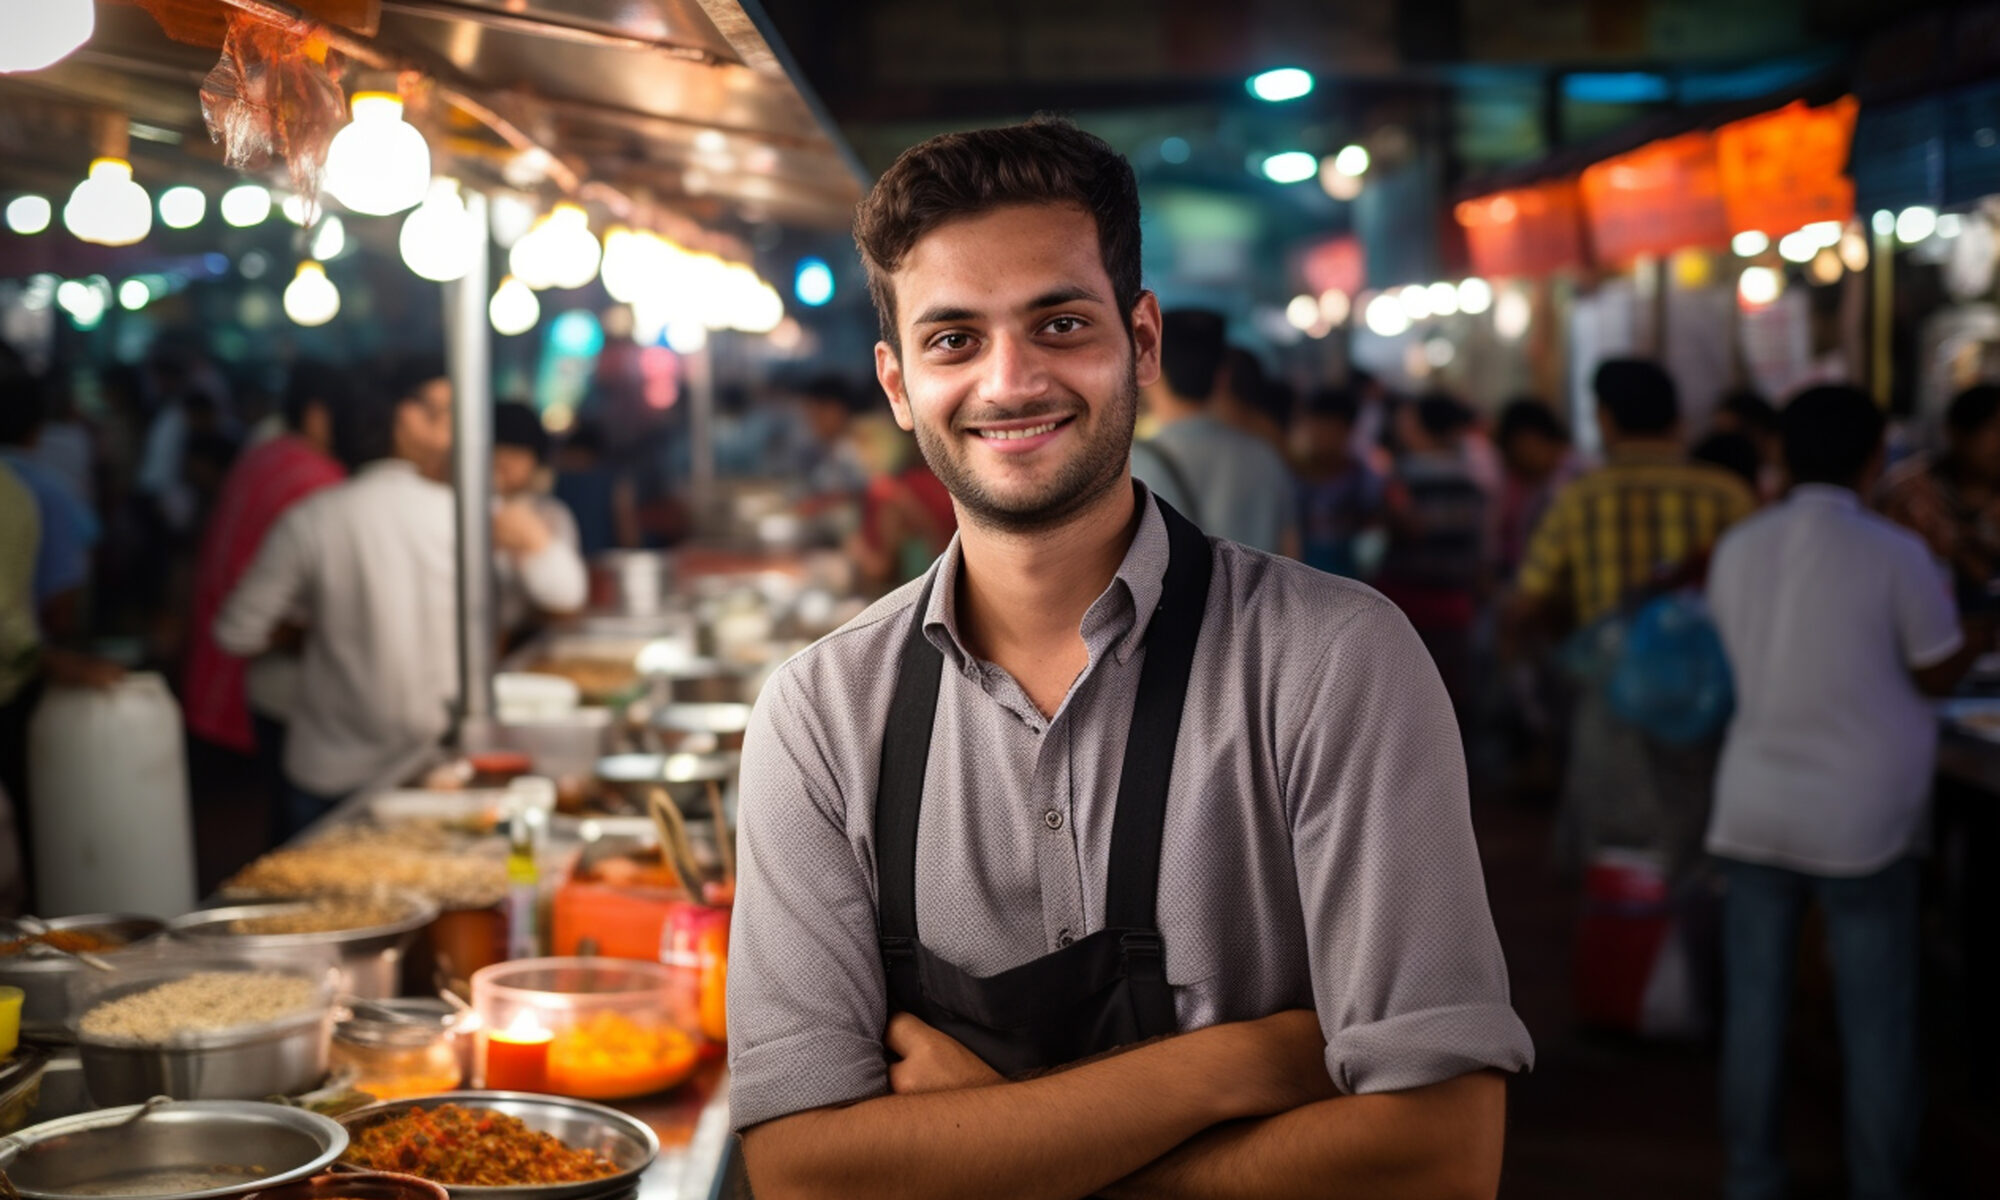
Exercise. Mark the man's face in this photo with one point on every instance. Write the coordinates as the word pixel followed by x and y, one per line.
pixel 1532 456
pixel 514 469
pixel 1016 372
pixel 423 429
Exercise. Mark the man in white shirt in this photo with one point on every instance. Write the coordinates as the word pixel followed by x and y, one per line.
pixel 1836 623
pixel 367 568
pixel 538 569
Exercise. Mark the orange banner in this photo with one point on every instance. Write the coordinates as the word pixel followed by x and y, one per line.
pixel 1662 197
pixel 1787 169
pixel 1524 231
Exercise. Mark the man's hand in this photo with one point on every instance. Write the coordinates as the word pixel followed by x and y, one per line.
pixel 519 530
pixel 932 1061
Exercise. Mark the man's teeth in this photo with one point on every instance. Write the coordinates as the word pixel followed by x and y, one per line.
pixel 1008 435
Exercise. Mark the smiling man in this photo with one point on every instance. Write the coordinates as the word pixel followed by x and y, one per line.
pixel 1105 858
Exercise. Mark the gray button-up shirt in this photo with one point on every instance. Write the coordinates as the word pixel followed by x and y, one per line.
pixel 1318 851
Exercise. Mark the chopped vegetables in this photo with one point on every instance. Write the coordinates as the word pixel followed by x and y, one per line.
pixel 472 1147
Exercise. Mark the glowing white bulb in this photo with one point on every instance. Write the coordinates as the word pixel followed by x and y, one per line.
pixel 638 264
pixel 687 337
pixel 1334 307
pixel 1950 225
pixel 331 238
pixel 1825 267
pixel 1854 250
pixel 439 241
pixel 29 214
pixel 134 295
pixel 1915 223
pixel 1302 313
pixel 1416 301
pixel 1385 316
pixel 511 215
pixel 182 207
pixel 1338 184
pixel 558 252
pixel 1290 166
pixel 1798 247
pixel 1439 353
pixel 1443 298
pixel 245 205
pixel 43 32
pixel 1475 296
pixel 1883 222
pixel 1284 83
pixel 1352 161
pixel 1512 314
pixel 1750 243
pixel 84 303
pixel 378 163
pixel 296 209
pixel 310 298
pixel 1759 286
pixel 108 208
pixel 1824 233
pixel 514 310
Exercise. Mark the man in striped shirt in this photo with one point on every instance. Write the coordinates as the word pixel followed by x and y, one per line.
pixel 1647 516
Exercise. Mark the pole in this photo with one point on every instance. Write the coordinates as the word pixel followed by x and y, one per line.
pixel 468 350
pixel 1882 316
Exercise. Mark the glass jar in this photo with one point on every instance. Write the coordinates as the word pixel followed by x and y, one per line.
pixel 396 1059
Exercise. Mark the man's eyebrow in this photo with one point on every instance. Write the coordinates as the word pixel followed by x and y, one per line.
pixel 1067 294
pixel 943 315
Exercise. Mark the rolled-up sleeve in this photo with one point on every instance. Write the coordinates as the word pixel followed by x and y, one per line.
pixel 555 579
pixel 808 1003
pixel 1408 977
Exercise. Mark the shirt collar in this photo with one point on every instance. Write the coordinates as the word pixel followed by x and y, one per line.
pixel 1115 621
pixel 1825 493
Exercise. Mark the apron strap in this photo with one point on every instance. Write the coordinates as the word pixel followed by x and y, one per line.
pixel 899 797
pixel 1132 889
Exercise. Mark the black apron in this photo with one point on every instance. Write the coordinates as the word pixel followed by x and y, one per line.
pixel 1110 988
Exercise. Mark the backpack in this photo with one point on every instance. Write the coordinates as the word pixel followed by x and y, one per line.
pixel 1669 675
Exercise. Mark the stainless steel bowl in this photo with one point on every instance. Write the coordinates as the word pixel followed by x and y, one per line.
pixel 700 728
pixel 282 1058
pixel 370 958
pixel 579 1124
pixel 44 975
pixel 191 1150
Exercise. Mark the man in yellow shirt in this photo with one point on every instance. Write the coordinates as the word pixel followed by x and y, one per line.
pixel 1646 518
pixel 20 536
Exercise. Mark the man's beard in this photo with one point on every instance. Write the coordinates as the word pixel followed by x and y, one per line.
pixel 1081 482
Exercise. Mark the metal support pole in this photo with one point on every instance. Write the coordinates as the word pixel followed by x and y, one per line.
pixel 469 353
pixel 1882 315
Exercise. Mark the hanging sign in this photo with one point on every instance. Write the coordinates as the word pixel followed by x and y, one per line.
pixel 1787 169
pixel 1664 196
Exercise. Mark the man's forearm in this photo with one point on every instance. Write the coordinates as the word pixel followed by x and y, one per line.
pixel 1058 1136
pixel 1441 1142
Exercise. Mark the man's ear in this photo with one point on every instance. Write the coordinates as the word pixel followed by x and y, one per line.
pixel 1146 339
pixel 889 373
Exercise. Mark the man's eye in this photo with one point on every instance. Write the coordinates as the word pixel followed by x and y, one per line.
pixel 952 342
pixel 1065 325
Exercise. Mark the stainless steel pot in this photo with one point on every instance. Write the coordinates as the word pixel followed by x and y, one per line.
pixel 44 976
pixel 283 1058
pixel 191 1150
pixel 633 583
pixel 370 958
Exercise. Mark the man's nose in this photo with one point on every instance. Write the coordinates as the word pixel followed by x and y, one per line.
pixel 1015 370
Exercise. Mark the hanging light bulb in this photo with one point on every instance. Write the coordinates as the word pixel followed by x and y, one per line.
pixel 48 35
pixel 514 309
pixel 108 208
pixel 331 238
pixel 439 241
pixel 573 251
pixel 378 163
pixel 245 205
pixel 629 261
pixel 310 298
pixel 29 214
pixel 182 207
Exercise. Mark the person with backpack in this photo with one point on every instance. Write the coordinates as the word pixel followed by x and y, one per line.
pixel 1837 624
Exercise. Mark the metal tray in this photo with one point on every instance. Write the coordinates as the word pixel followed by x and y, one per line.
pixel 221 1147
pixel 623 1139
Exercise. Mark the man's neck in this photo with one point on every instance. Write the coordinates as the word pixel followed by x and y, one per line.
pixel 1021 596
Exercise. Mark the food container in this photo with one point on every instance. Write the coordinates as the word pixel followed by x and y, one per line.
pixel 354 1185
pixel 615 905
pixel 633 583
pixel 609 1029
pixel 370 956
pixel 279 1057
pixel 44 975
pixel 624 1140
pixel 399 1049
pixel 21 1086
pixel 193 1150
pixel 699 728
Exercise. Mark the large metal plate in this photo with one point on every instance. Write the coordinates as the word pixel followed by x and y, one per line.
pixel 187 1150
pixel 626 1141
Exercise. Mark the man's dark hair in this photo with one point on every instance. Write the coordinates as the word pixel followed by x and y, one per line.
pixel 366 429
pixel 1191 351
pixel 1337 403
pixel 1638 394
pixel 1754 413
pixel 1527 415
pixel 1279 401
pixel 587 436
pixel 1245 374
pixel 406 375
pixel 1972 409
pixel 1830 434
pixel 313 382
pixel 829 388
pixel 1441 415
pixel 1733 452
pixel 516 424
pixel 22 405
pixel 1047 160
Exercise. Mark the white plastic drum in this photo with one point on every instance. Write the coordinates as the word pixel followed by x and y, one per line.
pixel 108 777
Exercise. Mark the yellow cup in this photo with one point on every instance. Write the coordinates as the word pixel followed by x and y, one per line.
pixel 10 1019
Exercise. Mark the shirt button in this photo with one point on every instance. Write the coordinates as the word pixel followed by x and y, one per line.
pixel 1064 940
pixel 1052 819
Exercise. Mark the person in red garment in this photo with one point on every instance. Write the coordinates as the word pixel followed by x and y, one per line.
pixel 241 704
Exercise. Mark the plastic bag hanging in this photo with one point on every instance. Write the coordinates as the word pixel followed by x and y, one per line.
pixel 275 93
